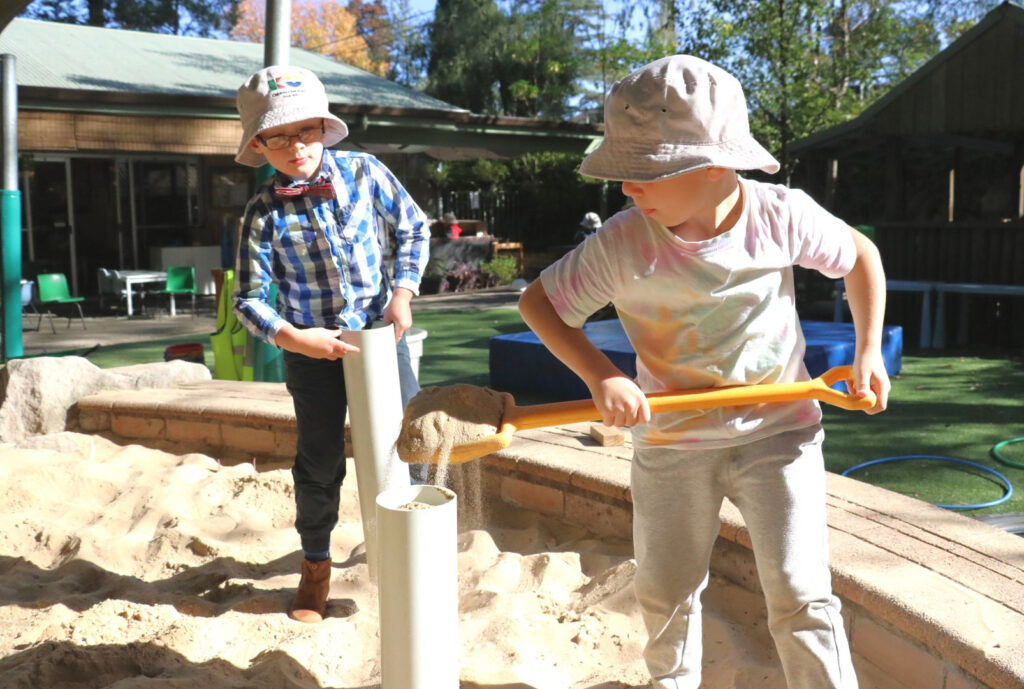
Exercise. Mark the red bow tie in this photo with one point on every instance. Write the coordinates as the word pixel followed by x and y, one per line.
pixel 321 187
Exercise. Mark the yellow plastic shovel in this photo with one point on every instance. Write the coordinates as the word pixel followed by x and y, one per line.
pixel 541 415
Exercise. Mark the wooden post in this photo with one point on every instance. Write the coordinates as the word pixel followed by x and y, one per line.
pixel 1020 194
pixel 830 182
pixel 952 194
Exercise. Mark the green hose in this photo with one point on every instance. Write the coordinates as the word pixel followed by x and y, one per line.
pixel 998 446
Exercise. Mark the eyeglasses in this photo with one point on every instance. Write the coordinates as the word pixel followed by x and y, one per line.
pixel 306 135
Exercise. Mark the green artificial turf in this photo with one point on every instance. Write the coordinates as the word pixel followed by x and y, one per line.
pixel 112 356
pixel 955 406
pixel 949 406
pixel 456 349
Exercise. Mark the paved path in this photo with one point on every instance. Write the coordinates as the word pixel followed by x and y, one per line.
pixel 111 330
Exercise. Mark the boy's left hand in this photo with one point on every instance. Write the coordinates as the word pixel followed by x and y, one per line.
pixel 869 374
pixel 399 311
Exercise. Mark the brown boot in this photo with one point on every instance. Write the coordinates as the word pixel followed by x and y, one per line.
pixel 310 604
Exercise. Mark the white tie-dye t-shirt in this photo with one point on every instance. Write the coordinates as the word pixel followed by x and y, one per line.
pixel 711 313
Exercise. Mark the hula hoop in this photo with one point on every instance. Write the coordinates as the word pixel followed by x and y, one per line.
pixel 1007 486
pixel 999 446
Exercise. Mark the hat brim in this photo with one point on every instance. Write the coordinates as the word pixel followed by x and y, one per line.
pixel 636 160
pixel 334 131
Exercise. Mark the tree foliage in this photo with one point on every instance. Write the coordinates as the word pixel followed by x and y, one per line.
pixel 328 28
pixel 178 17
pixel 809 64
pixel 612 50
pixel 953 17
pixel 463 46
pixel 409 53
pixel 526 62
pixel 539 59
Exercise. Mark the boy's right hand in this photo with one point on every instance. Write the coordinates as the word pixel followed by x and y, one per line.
pixel 316 343
pixel 620 401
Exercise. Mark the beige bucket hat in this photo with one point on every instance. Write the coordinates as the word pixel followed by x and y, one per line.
pixel 674 115
pixel 279 95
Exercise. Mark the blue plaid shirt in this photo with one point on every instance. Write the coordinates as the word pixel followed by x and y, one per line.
pixel 325 254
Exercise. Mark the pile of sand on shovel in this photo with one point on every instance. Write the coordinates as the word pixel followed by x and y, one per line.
pixel 439 418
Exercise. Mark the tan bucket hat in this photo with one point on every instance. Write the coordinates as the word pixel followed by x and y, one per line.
pixel 279 95
pixel 674 115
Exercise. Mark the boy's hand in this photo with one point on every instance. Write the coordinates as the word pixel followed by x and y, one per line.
pixel 399 311
pixel 620 401
pixel 316 343
pixel 869 374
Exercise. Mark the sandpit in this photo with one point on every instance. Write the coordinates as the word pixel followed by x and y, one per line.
pixel 126 567
pixel 130 567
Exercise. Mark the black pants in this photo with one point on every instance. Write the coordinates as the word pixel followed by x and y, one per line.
pixel 317 387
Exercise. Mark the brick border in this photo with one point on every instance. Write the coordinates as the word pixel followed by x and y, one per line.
pixel 932 599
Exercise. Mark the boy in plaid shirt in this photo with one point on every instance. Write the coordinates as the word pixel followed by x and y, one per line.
pixel 312 229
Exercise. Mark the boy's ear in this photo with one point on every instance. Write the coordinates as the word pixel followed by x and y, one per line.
pixel 715 173
pixel 254 144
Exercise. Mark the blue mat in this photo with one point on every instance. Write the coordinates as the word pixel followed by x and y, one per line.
pixel 520 363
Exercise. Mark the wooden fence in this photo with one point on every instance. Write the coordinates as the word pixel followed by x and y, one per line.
pixel 971 253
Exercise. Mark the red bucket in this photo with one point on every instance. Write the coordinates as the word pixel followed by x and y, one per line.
pixel 187 351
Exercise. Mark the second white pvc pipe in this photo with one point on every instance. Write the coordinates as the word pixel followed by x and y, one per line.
pixel 375 417
pixel 418 592
pixel 411 532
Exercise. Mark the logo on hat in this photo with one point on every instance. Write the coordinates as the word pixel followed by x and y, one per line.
pixel 277 83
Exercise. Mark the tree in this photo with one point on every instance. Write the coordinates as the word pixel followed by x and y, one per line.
pixel 810 64
pixel 375 27
pixel 525 63
pixel 953 17
pixel 540 58
pixel 327 28
pixel 612 50
pixel 178 17
pixel 463 43
pixel 409 46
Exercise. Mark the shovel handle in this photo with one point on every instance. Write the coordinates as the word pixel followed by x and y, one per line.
pixel 542 415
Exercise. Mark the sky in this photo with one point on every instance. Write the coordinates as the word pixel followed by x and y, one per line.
pixel 422 10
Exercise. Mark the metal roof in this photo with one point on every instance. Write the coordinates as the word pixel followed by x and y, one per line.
pixel 862 125
pixel 53 55
pixel 85 69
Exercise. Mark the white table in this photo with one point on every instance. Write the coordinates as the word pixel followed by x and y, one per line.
pixel 138 277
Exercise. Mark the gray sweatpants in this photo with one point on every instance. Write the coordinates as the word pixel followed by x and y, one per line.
pixel 778 484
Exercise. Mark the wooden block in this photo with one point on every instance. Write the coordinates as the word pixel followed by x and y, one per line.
pixel 606 435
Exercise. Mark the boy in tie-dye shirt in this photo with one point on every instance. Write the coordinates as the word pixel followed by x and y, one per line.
pixel 700 273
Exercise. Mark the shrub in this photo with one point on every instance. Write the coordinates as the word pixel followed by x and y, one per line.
pixel 462 276
pixel 502 269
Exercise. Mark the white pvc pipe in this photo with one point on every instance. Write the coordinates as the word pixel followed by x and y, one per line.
pixel 418 591
pixel 375 415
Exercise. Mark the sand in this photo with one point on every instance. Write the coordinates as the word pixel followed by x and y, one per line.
pixel 129 567
pixel 439 418
pixel 125 568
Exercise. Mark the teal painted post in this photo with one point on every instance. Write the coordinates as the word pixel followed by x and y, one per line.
pixel 10 245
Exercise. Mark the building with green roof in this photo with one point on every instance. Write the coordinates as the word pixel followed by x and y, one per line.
pixel 127 141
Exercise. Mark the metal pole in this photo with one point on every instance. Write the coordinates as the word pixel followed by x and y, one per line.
pixel 10 121
pixel 277 40
pixel 72 236
pixel 10 212
pixel 278 34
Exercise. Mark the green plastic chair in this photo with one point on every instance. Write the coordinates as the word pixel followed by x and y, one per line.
pixel 53 289
pixel 180 280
